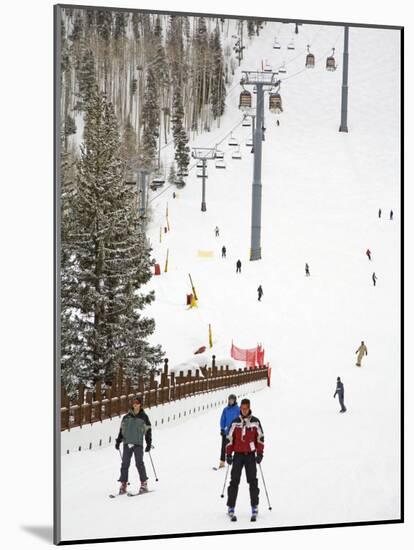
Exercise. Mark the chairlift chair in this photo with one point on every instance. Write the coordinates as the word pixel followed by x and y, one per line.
pixel 233 142
pixel 330 62
pixel 275 103
pixel 282 69
pixel 291 45
pixel 249 142
pixel 200 174
pixel 276 44
pixel 310 60
pixel 219 155
pixel 245 100
pixel 200 164
pixel 247 122
pixel 236 155
pixel 267 68
pixel 220 163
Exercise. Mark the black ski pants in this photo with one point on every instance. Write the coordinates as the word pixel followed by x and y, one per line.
pixel 223 448
pixel 138 452
pixel 248 461
pixel 341 401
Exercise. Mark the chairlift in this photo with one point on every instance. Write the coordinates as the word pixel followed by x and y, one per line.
pixel 220 163
pixel 254 90
pixel 200 164
pixel 183 173
pixel 330 62
pixel 291 45
pixel 236 155
pixel 282 69
pixel 275 103
pixel 276 45
pixel 245 100
pixel 219 155
pixel 180 183
pixel 200 174
pixel 249 142
pixel 310 60
pixel 233 142
pixel 157 182
pixel 267 68
pixel 247 122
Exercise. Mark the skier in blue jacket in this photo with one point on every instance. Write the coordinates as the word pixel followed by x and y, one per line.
pixel 227 416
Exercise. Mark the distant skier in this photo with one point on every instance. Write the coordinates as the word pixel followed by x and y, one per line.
pixel 340 392
pixel 391 214
pixel 173 194
pixel 379 213
pixel 361 351
pixel 368 253
pixel 223 252
pixel 217 231
pixel 135 425
pixel 238 266
pixel 227 416
pixel 307 272
pixel 260 293
pixel 374 279
pixel 246 440
pixel 277 122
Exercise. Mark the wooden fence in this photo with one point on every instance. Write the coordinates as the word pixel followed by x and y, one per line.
pixel 100 404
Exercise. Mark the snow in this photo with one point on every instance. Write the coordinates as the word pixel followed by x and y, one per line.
pixel 321 194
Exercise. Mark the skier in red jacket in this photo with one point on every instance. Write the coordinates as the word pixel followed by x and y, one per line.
pixel 246 440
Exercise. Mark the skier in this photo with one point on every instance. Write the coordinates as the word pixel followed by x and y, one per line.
pixel 223 252
pixel 173 194
pixel 246 440
pixel 277 122
pixel 374 278
pixel 134 426
pixel 238 266
pixel 340 392
pixel 368 253
pixel 307 270
pixel 361 351
pixel 227 416
pixel 217 231
pixel 260 293
pixel 379 213
pixel 391 214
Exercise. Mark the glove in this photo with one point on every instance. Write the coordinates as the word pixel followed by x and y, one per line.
pixel 148 448
pixel 229 460
pixel 259 458
pixel 117 444
pixel 222 433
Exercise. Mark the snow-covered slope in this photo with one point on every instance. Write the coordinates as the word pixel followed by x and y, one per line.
pixel 321 193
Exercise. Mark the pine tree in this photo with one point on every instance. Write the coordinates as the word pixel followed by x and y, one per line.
pixel 182 151
pixel 250 28
pixel 218 92
pixel 109 260
pixel 86 76
pixel 151 117
pixel 172 176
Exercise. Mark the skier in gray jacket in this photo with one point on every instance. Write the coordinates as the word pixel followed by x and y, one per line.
pixel 340 392
pixel 135 426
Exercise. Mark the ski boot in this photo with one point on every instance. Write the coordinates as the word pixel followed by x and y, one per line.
pixel 144 487
pixel 123 488
pixel 231 514
pixel 255 511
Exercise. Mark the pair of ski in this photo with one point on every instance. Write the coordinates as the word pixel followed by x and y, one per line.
pixel 233 516
pixel 130 494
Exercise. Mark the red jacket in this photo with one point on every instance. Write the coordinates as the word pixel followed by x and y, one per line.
pixel 245 435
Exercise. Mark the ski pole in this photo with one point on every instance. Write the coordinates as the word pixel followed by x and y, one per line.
pixel 155 474
pixel 264 484
pixel 225 479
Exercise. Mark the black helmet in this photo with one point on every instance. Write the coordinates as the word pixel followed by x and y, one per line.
pixel 233 397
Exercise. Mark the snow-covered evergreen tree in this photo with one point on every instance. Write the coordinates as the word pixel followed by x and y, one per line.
pixel 182 150
pixel 151 117
pixel 109 260
pixel 218 91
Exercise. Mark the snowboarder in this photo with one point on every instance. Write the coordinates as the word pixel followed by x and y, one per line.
pixel 135 425
pixel 374 278
pixel 238 266
pixel 391 214
pixel 246 440
pixel 368 253
pixel 379 213
pixel 227 416
pixel 361 351
pixel 260 293
pixel 340 392
pixel 217 231
pixel 307 272
pixel 223 252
